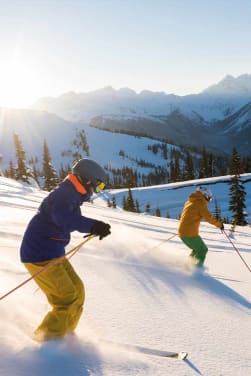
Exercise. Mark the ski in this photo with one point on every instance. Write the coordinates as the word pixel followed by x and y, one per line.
pixel 181 355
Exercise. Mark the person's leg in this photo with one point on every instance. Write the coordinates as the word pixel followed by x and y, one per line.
pixel 64 295
pixel 77 308
pixel 199 248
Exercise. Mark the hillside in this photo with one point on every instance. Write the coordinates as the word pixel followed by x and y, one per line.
pixel 195 120
pixel 33 127
pixel 170 198
pixel 139 291
pixel 107 148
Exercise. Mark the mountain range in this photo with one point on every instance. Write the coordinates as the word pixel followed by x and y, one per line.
pixel 218 118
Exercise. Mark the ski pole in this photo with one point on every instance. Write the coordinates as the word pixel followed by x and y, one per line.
pixel 236 250
pixel 166 240
pixel 156 246
pixel 50 264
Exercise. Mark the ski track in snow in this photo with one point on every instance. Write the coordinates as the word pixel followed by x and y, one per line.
pixel 140 290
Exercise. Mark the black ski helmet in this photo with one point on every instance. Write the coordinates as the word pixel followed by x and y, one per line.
pixel 89 170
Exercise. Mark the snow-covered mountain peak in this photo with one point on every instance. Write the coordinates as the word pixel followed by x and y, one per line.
pixel 126 92
pixel 215 104
pixel 229 85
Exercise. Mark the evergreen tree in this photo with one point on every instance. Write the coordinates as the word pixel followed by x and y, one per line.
pixel 130 202
pixel 83 142
pixel 157 212
pixel 21 172
pixel 223 166
pixel 237 191
pixel 211 165
pixel 189 167
pixel 217 210
pixel 164 150
pixel 114 204
pixel 237 201
pixel 78 145
pixel 235 163
pixel 108 182
pixel 247 164
pixel 172 176
pixel 124 203
pixel 147 208
pixel 137 206
pixel 49 173
pixel 10 172
pixel 35 172
pixel 204 168
pixel 64 171
pixel 177 170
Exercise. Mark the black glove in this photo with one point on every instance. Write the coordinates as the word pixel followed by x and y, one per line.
pixel 100 229
pixel 222 227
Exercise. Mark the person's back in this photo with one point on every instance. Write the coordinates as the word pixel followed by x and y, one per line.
pixel 195 209
pixel 49 230
pixel 192 215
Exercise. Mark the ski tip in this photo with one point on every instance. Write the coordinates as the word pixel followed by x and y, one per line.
pixel 183 355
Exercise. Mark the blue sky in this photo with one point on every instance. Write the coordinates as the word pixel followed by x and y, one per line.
pixel 49 47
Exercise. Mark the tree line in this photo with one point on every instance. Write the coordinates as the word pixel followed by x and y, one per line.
pixel 181 164
pixel 237 197
pixel 48 178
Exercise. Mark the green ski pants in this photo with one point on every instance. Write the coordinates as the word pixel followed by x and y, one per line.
pixel 199 248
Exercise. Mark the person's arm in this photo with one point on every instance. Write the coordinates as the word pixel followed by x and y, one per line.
pixel 205 213
pixel 66 213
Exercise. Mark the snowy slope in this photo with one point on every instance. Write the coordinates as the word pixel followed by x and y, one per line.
pixel 35 127
pixel 171 197
pixel 105 147
pixel 138 291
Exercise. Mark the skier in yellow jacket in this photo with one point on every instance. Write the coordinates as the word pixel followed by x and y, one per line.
pixel 195 209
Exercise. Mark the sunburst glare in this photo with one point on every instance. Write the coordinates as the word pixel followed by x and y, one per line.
pixel 20 83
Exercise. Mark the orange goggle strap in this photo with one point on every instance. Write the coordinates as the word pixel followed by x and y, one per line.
pixel 74 180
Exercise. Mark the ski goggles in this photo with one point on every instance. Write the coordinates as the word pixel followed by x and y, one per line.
pixel 99 186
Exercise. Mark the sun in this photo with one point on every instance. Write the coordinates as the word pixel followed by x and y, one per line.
pixel 19 83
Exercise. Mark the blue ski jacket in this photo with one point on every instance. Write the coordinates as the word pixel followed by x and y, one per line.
pixel 59 214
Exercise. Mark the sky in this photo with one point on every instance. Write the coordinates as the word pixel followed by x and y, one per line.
pixel 49 47
pixel 141 291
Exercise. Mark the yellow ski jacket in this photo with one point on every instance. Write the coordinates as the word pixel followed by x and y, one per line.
pixel 195 209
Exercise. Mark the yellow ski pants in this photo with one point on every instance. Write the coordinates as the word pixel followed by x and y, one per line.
pixel 65 293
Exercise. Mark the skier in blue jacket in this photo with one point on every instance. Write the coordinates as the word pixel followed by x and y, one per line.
pixel 45 239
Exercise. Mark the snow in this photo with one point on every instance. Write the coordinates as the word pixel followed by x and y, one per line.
pixel 140 291
pixel 108 144
pixel 214 103
pixel 170 197
pixel 104 146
